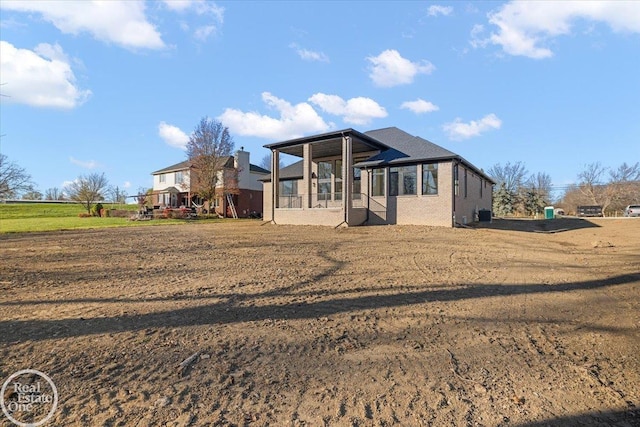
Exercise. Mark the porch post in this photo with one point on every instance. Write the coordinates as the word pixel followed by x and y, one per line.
pixel 307 169
pixel 347 179
pixel 275 179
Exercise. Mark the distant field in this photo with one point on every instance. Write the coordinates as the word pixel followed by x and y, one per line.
pixel 17 218
pixel 49 210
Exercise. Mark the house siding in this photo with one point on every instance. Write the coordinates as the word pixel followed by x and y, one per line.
pixel 466 208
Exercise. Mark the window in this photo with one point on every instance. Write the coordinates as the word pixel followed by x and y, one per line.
pixel 162 177
pixel 338 183
pixel 402 180
pixel 179 178
pixel 430 179
pixel 324 180
pixel 481 184
pixel 465 183
pixel 456 181
pixel 357 189
pixel 289 188
pixel 377 182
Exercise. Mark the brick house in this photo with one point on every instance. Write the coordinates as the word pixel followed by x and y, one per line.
pixel 171 187
pixel 383 176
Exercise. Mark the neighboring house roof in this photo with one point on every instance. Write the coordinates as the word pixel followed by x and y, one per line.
pixel 184 165
pixel 258 169
pixel 173 168
pixel 396 147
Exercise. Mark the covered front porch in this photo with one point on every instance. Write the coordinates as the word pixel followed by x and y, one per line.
pixel 325 188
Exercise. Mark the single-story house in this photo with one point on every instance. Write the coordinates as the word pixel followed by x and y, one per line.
pixel 171 187
pixel 383 176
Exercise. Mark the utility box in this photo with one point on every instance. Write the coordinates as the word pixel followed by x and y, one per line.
pixel 549 212
pixel 484 215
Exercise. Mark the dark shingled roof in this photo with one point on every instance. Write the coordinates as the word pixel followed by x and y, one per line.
pixel 293 171
pixel 397 148
pixel 177 167
pixel 229 163
pixel 257 169
pixel 405 147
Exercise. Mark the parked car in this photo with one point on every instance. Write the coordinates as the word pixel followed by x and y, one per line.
pixel 632 210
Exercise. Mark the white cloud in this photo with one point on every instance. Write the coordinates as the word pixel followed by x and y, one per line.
pixel 173 135
pixel 211 13
pixel 420 106
pixel 457 130
pixel 309 55
pixel 121 22
pixel 203 33
pixel 358 111
pixel 87 164
pixel 525 28
pixel 390 69
pixel 39 78
pixel 126 184
pixel 65 184
pixel 294 121
pixel 435 10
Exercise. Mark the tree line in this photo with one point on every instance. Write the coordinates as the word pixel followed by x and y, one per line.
pixel 16 183
pixel 208 151
pixel 517 192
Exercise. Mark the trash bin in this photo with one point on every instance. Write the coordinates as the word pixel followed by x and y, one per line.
pixel 484 215
pixel 549 212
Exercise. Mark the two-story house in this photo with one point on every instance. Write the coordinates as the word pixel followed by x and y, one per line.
pixel 171 187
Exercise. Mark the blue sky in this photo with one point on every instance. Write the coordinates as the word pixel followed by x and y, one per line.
pixel 117 87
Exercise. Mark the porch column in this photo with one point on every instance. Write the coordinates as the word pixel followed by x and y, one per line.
pixel 307 169
pixel 347 179
pixel 275 179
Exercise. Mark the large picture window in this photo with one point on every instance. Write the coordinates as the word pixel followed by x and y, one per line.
pixel 357 189
pixel 324 180
pixel 430 179
pixel 377 182
pixel 289 188
pixel 403 180
pixel 338 183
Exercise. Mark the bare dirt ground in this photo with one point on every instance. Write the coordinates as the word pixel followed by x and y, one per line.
pixel 311 326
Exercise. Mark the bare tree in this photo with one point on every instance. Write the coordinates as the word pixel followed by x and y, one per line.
pixel 209 148
pixel 590 182
pixel 32 194
pixel 512 175
pixel 624 185
pixel 117 195
pixel 13 179
pixel 87 189
pixel 143 196
pixel 265 163
pixel 53 193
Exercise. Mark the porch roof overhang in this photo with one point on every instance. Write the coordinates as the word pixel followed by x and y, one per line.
pixel 329 144
pixel 172 190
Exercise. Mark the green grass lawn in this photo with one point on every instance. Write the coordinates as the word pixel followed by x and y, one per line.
pixel 49 210
pixel 25 217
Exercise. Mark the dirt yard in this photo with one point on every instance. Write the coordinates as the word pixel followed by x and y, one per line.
pixel 311 326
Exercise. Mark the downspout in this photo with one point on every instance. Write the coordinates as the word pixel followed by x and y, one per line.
pixel 454 165
pixel 366 221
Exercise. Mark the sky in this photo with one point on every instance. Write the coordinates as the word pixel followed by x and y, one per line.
pixel 117 87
